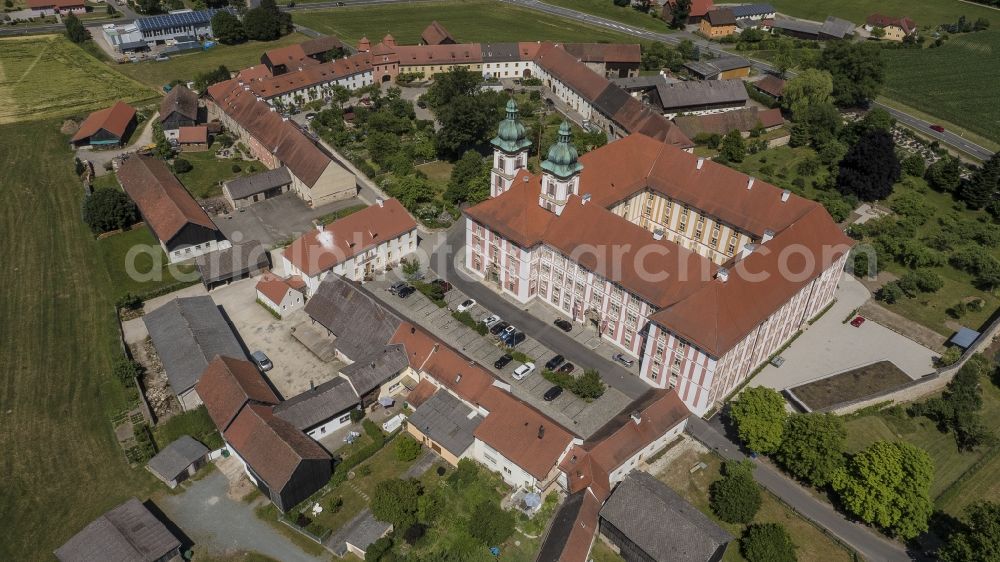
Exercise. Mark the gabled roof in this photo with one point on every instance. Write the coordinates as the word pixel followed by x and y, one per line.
pixel 459 53
pixel 770 84
pixel 188 333
pixel 273 287
pixel 245 186
pixel 227 384
pixel 836 27
pixel 247 257
pixel 436 34
pixel 176 457
pixel 639 506
pixel 447 421
pixel 904 23
pixel 522 434
pixel 317 405
pixel 61 4
pixel 721 16
pixel 359 322
pixel 720 314
pixel 192 135
pixel 743 120
pixel 605 52
pixel 695 93
pixel 179 100
pixel 271 446
pixel 751 10
pixel 114 119
pixel 420 393
pixel 164 203
pixel 375 369
pixel 322 249
pixel 698 7
pixel 127 533
pixel 713 67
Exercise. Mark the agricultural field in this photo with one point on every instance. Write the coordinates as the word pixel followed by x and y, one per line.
pixel 955 82
pixel 927 13
pixel 624 14
pixel 46 76
pixel 467 20
pixel 185 66
pixel 62 466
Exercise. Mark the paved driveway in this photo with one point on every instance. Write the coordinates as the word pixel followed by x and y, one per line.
pixel 220 524
pixel 274 220
pixel 831 346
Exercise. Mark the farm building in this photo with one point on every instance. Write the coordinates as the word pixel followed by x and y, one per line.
pixel 178 461
pixel 127 532
pixel 178 25
pixel 187 334
pixel 192 138
pixel 179 108
pixel 446 425
pixel 49 7
pixel 247 190
pixel 109 127
pixel 754 15
pixel 743 120
pixel 832 28
pixel 436 34
pixel 770 86
pixel 183 228
pixel 698 10
pixel 718 24
pixel 698 96
pixel 239 261
pixel 719 69
pixel 321 410
pixel 281 295
pixel 378 374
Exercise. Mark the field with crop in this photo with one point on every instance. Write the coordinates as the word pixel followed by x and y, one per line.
pixel 467 20
pixel 925 12
pixel 624 14
pixel 955 82
pixel 47 76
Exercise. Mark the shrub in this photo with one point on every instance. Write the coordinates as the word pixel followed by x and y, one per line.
pixel 490 524
pixel 378 549
pixel 335 504
pixel 767 542
pixel 182 166
pixel 414 533
pixel 129 302
pixel 236 168
pixel 395 501
pixel 125 370
pixel 109 209
pixel 407 448
pixel 736 497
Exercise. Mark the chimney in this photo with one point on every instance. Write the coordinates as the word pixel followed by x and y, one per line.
pixel 747 249
pixel 636 416
pixel 436 346
pixel 658 234
pixel 701 161
pixel 380 201
pixel 750 182
pixel 585 199
pixel 312 385
pixel 541 431
pixel 722 274
pixel 413 330
pixel 458 378
pixel 525 179
pixel 784 195
pixel 768 234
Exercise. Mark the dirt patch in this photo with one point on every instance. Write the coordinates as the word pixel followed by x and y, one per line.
pixel 69 127
pixel 904 326
pixel 851 385
pixel 154 380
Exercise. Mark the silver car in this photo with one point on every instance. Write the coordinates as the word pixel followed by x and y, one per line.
pixel 263 363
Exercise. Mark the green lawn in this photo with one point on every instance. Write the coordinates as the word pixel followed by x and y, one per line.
pixel 195 423
pixel 925 12
pixel 62 467
pixel 208 172
pixel 186 66
pixel 150 263
pixel 467 20
pixel 953 82
pixel 46 76
pixel 810 542
pixel 624 14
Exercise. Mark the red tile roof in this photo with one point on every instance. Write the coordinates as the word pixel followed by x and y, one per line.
pixel 904 23
pixel 227 384
pixel 744 120
pixel 522 434
pixel 436 34
pixel 193 135
pixel 307 75
pixel 698 7
pixel 461 53
pixel 269 444
pixel 61 4
pixel 275 288
pixel 605 52
pixel 771 85
pixel 420 393
pixel 164 203
pixel 577 547
pixel 324 248
pixel 114 119
pixel 721 17
pixel 570 71
pixel 720 314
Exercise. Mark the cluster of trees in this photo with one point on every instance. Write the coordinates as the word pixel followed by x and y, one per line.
pixel 468 115
pixel 976 538
pixel 203 80
pixel 109 209
pixel 263 23
pixel 886 484
pixel 958 409
pixel 470 179
pixel 588 386
pixel 736 498
pixel 963 25
pixel 657 56
pixel 74 29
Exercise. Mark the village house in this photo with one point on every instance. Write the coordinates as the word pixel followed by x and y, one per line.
pixel 697 12
pixel 718 23
pixel 300 55
pixel 179 108
pixel 127 532
pixel 183 228
pixel 41 8
pixel 322 409
pixel 356 247
pixel 106 128
pixel 281 295
pixel 894 29
pixel 445 425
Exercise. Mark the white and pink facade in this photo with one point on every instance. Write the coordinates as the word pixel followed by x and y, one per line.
pixel 703 334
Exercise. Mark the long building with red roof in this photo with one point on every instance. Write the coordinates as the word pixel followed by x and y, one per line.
pixel 700 271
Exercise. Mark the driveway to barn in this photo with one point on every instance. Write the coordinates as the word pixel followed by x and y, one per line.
pixel 831 346
pixel 220 524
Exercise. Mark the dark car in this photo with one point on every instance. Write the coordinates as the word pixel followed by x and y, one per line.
pixel 567 368
pixel 445 286
pixel 937 128
pixel 564 325
pixel 405 292
pixel 514 338
pixel 504 360
pixel 396 287
pixel 554 362
pixel 498 328
pixel 552 393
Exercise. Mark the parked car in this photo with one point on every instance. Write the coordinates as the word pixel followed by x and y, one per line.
pixel 504 360
pixel 397 286
pixel 514 339
pixel 262 361
pixel 490 319
pixel 552 393
pixel 858 321
pixel 620 358
pixel 161 58
pixel 523 370
pixel 551 364
pixel 498 328
pixel 466 305
pixel 937 128
pixel 310 116
pixel 445 286
pixel 567 368
pixel 405 292
pixel 564 325
pixel 778 361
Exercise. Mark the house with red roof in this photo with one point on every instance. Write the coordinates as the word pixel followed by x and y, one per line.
pixel 699 9
pixel 105 128
pixel 893 28
pixel 50 7
pixel 281 295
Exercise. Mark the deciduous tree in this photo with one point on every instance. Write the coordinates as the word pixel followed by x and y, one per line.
pixel 759 416
pixel 767 542
pixel 395 501
pixel 227 28
pixel 75 30
pixel 109 209
pixel 978 537
pixel 736 497
pixel 870 167
pixel 407 448
pixel 490 524
pixel 469 179
pixel 813 447
pixel 733 149
pixel 945 174
pixel 981 190
pixel 857 69
pixel 811 86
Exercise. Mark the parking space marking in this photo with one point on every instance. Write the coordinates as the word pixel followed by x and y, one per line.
pixel 574 408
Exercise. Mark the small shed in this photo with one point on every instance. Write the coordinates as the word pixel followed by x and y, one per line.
pixel 247 190
pixel 239 261
pixel 964 338
pixel 178 460
pixel 193 138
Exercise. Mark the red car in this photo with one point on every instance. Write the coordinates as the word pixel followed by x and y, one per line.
pixel 937 128
pixel 858 321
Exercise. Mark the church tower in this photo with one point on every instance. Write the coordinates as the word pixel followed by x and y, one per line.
pixel 510 151
pixel 560 173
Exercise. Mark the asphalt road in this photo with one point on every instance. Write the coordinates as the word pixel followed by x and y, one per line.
pixel 870 545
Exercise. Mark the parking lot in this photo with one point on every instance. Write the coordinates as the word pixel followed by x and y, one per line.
pixel 572 412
